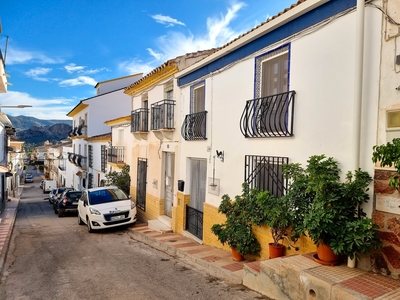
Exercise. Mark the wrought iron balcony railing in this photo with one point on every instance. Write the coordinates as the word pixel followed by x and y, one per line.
pixel 194 126
pixel 82 129
pixel 140 120
pixel 162 115
pixel 270 116
pixel 116 154
pixel 81 161
pixel 71 157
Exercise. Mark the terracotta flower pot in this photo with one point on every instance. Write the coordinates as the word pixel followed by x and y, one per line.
pixel 276 250
pixel 326 255
pixel 236 256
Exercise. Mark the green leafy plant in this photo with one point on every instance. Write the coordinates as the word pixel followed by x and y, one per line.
pixel 120 179
pixel 237 230
pixel 335 208
pixel 389 156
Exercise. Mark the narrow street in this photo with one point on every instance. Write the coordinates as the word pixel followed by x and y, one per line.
pixel 55 258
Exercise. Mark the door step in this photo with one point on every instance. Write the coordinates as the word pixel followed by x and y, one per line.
pixel 160 225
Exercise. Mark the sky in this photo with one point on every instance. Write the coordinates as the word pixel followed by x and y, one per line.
pixel 59 49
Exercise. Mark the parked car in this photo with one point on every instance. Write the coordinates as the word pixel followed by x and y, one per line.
pixel 68 202
pixel 41 184
pixel 28 178
pixel 52 194
pixel 48 185
pixel 57 196
pixel 105 207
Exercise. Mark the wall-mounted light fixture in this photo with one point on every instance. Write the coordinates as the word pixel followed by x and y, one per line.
pixel 220 155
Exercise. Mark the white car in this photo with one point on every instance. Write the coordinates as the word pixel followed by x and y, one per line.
pixel 105 207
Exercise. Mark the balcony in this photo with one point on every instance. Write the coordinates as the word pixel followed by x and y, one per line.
pixel 81 129
pixel 81 161
pixel 116 155
pixel 162 115
pixel 194 127
pixel 71 157
pixel 140 120
pixel 270 116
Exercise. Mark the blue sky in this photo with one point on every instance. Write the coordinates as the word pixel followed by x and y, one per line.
pixel 59 49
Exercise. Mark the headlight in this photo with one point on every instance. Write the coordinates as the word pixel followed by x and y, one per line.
pixel 133 205
pixel 94 211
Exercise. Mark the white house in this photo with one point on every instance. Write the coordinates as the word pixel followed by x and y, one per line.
pixel 285 90
pixel 89 134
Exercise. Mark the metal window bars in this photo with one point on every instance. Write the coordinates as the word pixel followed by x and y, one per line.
pixel 194 126
pixel 140 120
pixel 270 116
pixel 265 173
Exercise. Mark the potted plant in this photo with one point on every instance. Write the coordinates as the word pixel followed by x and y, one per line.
pixel 335 209
pixel 237 229
pixel 276 213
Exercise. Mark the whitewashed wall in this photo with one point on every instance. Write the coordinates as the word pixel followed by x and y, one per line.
pixel 322 67
pixel 106 107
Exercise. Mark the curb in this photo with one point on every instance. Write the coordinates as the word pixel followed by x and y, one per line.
pixel 210 268
pixel 7 224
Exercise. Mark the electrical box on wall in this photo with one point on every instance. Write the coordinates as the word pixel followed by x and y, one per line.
pixel 392 125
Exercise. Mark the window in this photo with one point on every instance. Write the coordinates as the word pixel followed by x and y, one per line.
pixel 270 113
pixel 169 90
pixel 90 181
pixel 90 160
pixel 265 173
pixel 120 141
pixel 272 73
pixel 197 101
pixel 103 158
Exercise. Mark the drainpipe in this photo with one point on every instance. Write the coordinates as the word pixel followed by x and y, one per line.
pixel 358 80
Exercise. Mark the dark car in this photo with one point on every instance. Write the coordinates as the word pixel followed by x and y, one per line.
pixel 57 195
pixel 68 202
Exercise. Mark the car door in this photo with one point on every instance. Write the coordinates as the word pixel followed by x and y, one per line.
pixel 81 207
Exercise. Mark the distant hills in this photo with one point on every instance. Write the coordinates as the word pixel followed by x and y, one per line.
pixel 35 131
pixel 25 122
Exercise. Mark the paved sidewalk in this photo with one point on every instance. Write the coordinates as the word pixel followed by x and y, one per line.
pixel 320 282
pixel 7 220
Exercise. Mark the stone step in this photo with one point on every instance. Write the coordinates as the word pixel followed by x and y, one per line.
pixel 159 226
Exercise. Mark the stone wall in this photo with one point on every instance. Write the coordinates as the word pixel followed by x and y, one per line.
pixel 386 216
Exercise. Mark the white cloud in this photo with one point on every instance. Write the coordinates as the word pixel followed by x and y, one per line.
pixel 167 20
pixel 176 43
pixel 41 108
pixel 74 68
pixel 136 66
pixel 71 68
pixel 19 56
pixel 37 73
pixel 78 81
pixel 155 54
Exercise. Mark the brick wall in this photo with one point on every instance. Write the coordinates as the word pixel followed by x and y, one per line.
pixel 385 215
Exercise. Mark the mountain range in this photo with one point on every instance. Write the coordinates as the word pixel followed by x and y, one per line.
pixel 35 131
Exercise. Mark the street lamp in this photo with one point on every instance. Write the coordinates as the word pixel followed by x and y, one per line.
pixel 14 106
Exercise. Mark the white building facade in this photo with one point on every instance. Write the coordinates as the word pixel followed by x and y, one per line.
pixel 276 95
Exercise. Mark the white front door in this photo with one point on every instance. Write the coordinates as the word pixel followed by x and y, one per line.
pixel 169 159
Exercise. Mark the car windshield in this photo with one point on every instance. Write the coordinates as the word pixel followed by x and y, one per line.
pixel 105 196
pixel 73 195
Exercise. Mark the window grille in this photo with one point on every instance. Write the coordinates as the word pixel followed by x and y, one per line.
pixel 265 173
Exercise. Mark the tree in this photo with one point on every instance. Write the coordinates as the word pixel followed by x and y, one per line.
pixel 120 179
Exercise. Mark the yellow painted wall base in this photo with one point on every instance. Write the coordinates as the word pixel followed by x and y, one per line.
pixel 179 214
pixel 212 216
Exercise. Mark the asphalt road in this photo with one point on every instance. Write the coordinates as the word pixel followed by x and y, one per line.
pixel 55 258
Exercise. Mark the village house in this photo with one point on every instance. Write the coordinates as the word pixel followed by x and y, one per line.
pixel 153 148
pixel 90 136
pixel 286 90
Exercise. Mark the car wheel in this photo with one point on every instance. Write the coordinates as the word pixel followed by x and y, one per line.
pixel 89 227
pixel 60 213
pixel 80 222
